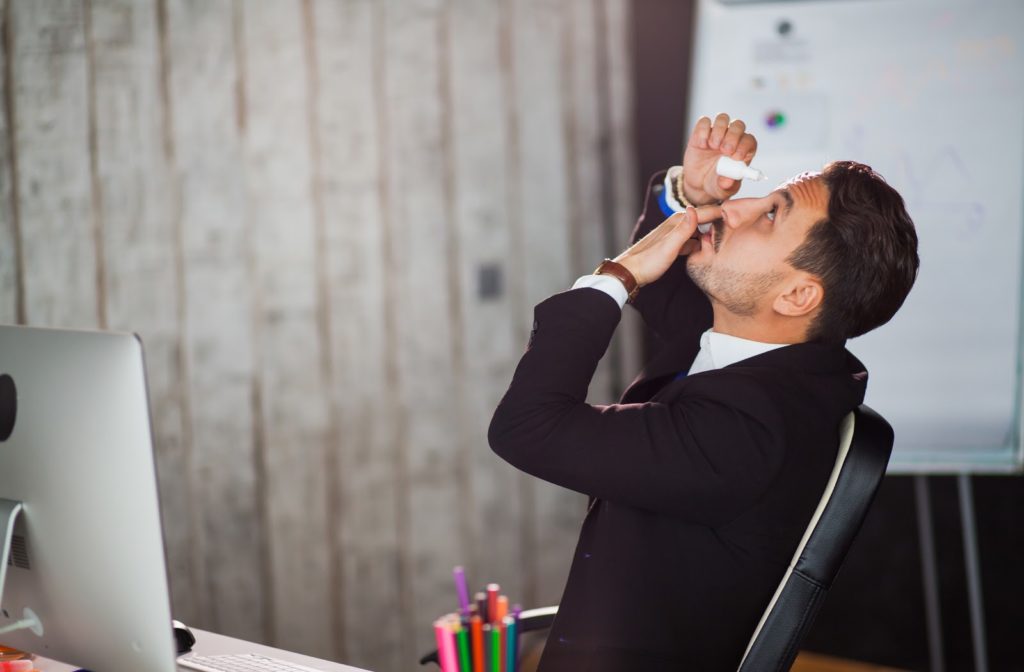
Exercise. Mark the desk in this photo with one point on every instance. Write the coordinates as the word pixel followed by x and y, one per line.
pixel 210 643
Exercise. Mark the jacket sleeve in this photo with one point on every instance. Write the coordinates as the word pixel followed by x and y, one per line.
pixel 672 306
pixel 702 458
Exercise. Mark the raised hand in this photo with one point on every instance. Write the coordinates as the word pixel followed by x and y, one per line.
pixel 708 142
pixel 652 255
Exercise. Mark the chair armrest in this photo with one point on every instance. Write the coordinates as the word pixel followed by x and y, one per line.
pixel 536 619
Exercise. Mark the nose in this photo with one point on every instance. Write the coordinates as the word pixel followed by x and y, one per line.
pixel 740 211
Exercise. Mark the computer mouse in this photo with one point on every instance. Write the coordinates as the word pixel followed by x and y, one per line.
pixel 183 637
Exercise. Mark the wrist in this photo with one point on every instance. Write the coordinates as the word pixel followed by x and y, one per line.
pixel 697 200
pixel 621 271
pixel 690 196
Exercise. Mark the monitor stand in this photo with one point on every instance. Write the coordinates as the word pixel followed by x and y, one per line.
pixel 9 510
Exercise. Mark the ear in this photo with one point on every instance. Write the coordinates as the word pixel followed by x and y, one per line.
pixel 801 297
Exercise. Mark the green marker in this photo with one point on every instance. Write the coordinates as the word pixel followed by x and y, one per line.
pixel 462 638
pixel 496 649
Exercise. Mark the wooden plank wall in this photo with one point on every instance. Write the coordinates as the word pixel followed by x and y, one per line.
pixel 329 220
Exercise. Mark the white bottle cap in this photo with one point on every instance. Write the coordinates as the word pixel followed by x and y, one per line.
pixel 738 170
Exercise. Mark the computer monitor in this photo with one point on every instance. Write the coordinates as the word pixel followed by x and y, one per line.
pixel 88 558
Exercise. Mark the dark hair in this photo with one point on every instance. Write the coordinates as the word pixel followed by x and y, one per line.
pixel 864 252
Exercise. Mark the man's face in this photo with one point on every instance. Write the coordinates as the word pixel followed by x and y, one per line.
pixel 742 263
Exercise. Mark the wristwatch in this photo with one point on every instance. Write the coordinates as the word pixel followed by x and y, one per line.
pixel 622 274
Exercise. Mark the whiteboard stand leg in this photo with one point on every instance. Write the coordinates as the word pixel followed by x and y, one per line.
pixel 973 570
pixel 929 574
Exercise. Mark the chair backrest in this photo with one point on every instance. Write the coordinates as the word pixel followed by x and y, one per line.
pixel 865 444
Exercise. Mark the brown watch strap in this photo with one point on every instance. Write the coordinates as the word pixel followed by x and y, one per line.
pixel 617 270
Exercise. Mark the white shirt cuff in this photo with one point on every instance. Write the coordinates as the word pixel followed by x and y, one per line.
pixel 608 284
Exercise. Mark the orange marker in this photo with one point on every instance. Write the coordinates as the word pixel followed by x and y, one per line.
pixel 476 625
pixel 502 608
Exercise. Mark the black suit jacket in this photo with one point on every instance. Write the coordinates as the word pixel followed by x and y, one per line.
pixel 701 488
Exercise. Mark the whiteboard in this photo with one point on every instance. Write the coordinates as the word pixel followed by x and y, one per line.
pixel 930 93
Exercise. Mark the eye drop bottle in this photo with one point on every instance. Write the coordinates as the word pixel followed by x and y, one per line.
pixel 738 170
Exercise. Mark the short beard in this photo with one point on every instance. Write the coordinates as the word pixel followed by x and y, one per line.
pixel 736 291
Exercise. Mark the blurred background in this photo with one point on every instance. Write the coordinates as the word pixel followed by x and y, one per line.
pixel 329 220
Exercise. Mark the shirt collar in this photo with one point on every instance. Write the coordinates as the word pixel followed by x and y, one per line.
pixel 723 349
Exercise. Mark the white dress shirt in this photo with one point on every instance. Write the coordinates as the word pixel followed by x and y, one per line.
pixel 716 350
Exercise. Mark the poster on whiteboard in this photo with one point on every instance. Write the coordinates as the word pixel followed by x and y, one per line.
pixel 930 93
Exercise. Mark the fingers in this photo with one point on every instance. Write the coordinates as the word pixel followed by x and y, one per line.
pixel 704 214
pixel 718 131
pixel 730 137
pixel 733 133
pixel 745 148
pixel 677 229
pixel 701 130
pixel 689 247
pixel 652 255
pixel 677 224
pixel 683 223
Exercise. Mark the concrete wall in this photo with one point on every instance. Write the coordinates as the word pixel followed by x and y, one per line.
pixel 329 220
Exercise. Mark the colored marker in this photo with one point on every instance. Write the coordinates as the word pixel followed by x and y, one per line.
pixel 488 648
pixel 492 602
pixel 502 610
pixel 504 646
pixel 516 610
pixel 481 606
pixel 449 643
pixel 511 643
pixel 441 635
pixel 495 651
pixel 477 634
pixel 462 639
pixel 459 573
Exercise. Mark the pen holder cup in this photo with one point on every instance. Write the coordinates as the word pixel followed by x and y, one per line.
pixel 530 631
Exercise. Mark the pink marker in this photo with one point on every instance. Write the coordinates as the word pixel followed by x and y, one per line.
pixel 450 649
pixel 443 635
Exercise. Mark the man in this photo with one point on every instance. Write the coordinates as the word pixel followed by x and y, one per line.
pixel 705 475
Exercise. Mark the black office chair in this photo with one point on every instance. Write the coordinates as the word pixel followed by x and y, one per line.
pixel 865 443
